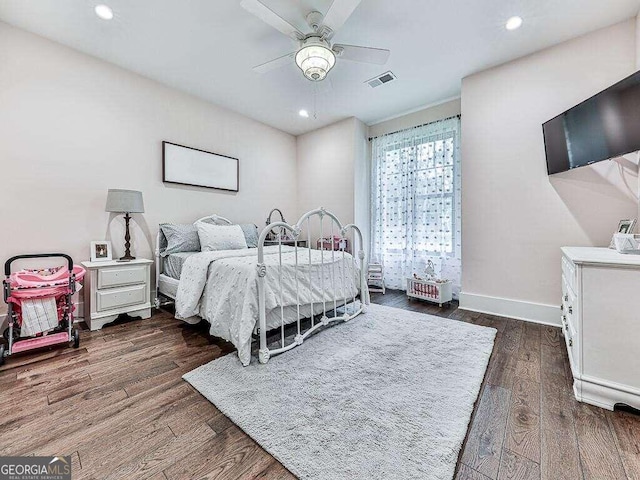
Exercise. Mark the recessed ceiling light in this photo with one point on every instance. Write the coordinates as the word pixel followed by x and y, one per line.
pixel 514 23
pixel 303 113
pixel 104 12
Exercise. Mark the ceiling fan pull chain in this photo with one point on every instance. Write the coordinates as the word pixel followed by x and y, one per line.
pixel 315 102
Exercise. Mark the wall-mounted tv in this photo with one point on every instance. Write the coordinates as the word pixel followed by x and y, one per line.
pixel 605 126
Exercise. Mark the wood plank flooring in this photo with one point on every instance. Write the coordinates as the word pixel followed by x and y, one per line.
pixel 119 407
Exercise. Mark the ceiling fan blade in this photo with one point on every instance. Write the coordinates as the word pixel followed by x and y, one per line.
pixel 339 12
pixel 268 16
pixel 276 63
pixel 378 56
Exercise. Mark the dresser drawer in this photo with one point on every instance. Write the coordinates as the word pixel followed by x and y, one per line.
pixel 120 276
pixel 569 272
pixel 114 298
pixel 571 339
pixel 569 303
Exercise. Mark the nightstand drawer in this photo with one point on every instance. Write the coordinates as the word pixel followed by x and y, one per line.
pixel 120 276
pixel 120 297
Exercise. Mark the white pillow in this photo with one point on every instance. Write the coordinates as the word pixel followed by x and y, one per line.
pixel 220 237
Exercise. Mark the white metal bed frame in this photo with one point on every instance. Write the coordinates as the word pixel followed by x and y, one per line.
pixel 265 353
pixel 350 310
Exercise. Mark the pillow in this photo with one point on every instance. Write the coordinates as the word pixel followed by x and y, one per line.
pixel 180 238
pixel 250 234
pixel 220 237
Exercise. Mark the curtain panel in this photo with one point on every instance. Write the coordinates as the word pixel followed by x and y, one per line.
pixel 415 202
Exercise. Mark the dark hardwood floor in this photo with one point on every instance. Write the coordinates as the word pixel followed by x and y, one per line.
pixel 119 407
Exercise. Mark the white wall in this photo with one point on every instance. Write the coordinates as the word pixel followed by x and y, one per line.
pixel 72 126
pixel 327 160
pixel 514 217
pixel 638 42
pixel 432 113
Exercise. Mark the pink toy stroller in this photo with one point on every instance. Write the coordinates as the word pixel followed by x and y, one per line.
pixel 39 289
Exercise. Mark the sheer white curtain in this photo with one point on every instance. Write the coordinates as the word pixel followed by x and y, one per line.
pixel 415 202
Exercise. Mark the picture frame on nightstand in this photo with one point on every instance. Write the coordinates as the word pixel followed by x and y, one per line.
pixel 624 226
pixel 101 251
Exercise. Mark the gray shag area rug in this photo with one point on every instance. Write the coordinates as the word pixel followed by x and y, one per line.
pixel 387 395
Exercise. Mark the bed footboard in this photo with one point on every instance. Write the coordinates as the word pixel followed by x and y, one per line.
pixel 340 307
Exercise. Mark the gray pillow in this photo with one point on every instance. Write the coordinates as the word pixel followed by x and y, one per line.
pixel 250 234
pixel 180 238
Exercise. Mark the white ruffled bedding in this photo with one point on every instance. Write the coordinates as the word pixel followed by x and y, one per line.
pixel 222 288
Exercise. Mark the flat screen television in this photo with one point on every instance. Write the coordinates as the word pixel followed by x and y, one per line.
pixel 605 126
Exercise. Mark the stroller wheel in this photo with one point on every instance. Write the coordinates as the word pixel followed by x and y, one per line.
pixel 16 334
pixel 76 338
pixel 1 354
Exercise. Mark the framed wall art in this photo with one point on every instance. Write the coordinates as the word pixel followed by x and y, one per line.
pixel 199 168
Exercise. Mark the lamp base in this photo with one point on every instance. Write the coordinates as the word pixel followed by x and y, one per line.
pixel 127 241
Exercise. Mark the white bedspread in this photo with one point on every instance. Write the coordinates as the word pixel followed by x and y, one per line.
pixel 222 287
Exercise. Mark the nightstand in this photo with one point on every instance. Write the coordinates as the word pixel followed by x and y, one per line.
pixel 114 288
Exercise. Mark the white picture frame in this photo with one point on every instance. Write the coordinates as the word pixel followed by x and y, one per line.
pixel 624 226
pixel 101 251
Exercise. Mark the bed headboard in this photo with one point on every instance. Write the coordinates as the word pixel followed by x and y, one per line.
pixel 215 220
pixel 161 241
pixel 161 244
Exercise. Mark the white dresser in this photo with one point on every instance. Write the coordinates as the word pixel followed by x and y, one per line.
pixel 601 324
pixel 114 288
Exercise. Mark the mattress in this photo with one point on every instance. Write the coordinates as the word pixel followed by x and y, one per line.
pixel 174 262
pixel 169 287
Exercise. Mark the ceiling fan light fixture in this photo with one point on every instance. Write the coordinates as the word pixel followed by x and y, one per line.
pixel 315 59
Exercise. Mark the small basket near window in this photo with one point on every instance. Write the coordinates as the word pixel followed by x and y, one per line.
pixel 435 291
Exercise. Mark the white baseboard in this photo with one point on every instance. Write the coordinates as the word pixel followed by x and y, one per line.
pixel 504 307
pixel 78 314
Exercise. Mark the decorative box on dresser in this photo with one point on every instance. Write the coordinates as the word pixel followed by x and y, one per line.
pixel 601 324
pixel 114 288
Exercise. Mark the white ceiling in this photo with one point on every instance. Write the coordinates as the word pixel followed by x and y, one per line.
pixel 207 47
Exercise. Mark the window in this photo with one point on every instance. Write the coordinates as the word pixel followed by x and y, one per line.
pixel 416 201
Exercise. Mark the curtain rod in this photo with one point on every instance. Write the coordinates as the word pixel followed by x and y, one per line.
pixel 417 126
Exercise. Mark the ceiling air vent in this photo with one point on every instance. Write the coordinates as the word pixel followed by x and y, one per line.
pixel 381 79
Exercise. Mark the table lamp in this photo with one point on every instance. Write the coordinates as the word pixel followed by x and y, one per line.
pixel 125 201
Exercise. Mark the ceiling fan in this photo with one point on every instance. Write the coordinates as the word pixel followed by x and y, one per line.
pixel 316 55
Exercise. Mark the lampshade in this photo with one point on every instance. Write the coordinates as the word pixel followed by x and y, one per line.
pixel 124 201
pixel 315 59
